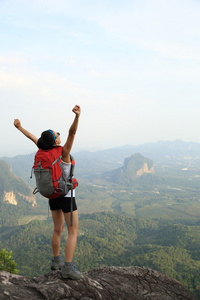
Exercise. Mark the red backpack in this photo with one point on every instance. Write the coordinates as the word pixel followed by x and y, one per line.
pixel 50 178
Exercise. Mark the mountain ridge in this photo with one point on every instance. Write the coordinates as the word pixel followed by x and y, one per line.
pixel 112 157
pixel 15 196
pixel 12 187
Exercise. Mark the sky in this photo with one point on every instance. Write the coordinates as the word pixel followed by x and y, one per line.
pixel 132 66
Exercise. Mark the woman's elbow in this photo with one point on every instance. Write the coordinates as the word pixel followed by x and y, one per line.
pixel 72 133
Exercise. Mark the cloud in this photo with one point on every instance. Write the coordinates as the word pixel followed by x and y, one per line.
pixel 168 28
pixel 12 60
pixel 125 62
pixel 96 74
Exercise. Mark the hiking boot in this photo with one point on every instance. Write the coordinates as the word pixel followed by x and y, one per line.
pixel 57 263
pixel 69 271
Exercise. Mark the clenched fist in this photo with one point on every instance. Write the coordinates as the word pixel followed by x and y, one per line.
pixel 77 110
pixel 17 123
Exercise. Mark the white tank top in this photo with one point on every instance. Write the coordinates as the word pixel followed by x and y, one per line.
pixel 66 169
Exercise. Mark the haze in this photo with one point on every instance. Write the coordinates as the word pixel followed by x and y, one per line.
pixel 132 66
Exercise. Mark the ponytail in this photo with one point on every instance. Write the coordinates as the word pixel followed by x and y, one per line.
pixel 42 145
pixel 47 140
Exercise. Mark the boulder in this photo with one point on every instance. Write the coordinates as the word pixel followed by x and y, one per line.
pixel 105 283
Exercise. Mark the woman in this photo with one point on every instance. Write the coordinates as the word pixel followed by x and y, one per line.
pixel 60 207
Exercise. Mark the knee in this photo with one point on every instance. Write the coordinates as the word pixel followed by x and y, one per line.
pixel 73 232
pixel 58 230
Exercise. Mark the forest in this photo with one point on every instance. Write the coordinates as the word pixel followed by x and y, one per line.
pixel 152 222
pixel 111 239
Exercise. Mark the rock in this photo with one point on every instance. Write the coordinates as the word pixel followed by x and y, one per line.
pixel 106 283
pixel 136 169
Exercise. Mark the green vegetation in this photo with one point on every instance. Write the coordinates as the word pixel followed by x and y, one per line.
pixel 10 183
pixel 31 246
pixel 9 214
pixel 8 180
pixel 112 239
pixel 152 221
pixel 6 263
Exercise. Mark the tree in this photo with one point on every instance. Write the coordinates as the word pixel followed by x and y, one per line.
pixel 6 264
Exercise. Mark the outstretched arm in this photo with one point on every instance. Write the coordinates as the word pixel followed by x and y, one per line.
pixel 29 135
pixel 72 131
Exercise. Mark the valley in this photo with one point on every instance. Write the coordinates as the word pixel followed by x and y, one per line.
pixel 127 216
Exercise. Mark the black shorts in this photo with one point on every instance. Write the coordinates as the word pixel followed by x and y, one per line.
pixel 63 203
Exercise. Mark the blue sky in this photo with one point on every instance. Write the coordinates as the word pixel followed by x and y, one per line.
pixel 132 66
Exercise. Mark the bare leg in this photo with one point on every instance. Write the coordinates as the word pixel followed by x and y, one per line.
pixel 72 235
pixel 58 220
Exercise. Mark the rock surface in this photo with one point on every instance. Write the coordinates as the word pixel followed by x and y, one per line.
pixel 106 283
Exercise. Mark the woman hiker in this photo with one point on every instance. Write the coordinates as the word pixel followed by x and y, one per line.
pixel 60 207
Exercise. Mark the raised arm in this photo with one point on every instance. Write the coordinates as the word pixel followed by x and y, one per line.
pixel 29 135
pixel 72 131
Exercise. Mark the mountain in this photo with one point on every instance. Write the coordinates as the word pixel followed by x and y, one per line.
pixel 21 166
pixel 12 188
pixel 15 196
pixel 103 283
pixel 92 163
pixel 136 168
pixel 156 151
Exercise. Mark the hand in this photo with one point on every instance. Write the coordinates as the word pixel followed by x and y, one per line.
pixel 17 123
pixel 77 110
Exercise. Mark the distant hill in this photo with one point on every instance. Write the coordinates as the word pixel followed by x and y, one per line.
pixel 12 188
pixel 156 151
pixel 15 196
pixel 21 166
pixel 89 164
pixel 136 169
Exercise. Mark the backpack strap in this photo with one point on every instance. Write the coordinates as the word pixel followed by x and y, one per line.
pixel 71 175
pixel 71 206
pixel 35 191
pixel 72 166
pixel 57 160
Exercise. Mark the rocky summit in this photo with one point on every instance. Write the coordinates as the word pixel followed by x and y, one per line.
pixel 106 283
